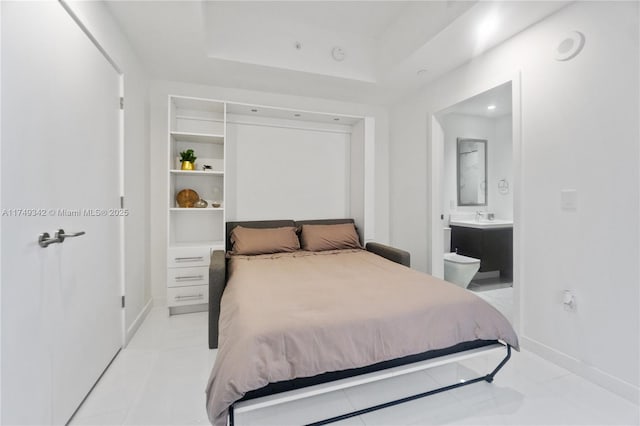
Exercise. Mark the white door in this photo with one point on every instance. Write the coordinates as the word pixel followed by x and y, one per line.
pixel 61 309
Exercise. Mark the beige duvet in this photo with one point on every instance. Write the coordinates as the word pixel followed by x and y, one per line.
pixel 301 314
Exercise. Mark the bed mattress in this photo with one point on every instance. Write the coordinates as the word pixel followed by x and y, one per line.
pixel 291 315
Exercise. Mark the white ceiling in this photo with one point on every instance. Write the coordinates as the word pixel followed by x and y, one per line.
pixel 500 97
pixel 252 44
pixel 265 33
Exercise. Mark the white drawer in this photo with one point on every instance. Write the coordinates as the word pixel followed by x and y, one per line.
pixel 188 256
pixel 192 295
pixel 181 277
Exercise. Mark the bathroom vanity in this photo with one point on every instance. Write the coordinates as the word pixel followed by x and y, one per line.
pixel 489 241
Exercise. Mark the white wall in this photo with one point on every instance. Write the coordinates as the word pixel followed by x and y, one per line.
pixel 159 91
pixel 501 167
pixel 579 130
pixel 497 132
pixel 97 18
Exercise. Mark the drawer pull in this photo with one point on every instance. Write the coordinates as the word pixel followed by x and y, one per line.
pixel 190 278
pixel 189 259
pixel 193 296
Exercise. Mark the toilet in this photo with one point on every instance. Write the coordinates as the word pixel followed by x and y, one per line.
pixel 458 269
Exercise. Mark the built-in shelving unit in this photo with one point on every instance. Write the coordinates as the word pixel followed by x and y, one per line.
pixel 200 125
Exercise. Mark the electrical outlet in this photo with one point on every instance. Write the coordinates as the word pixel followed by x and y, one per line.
pixel 569 301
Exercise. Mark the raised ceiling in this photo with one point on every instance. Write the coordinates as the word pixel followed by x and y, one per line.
pixel 499 97
pixel 300 36
pixel 286 46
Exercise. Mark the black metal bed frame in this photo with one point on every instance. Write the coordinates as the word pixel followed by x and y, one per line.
pixel 487 378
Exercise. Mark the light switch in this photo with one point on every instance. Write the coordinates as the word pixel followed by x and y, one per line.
pixel 569 199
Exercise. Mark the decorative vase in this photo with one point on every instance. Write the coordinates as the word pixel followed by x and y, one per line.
pixel 187 165
pixel 187 198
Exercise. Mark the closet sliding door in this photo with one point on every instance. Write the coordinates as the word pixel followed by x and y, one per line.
pixel 281 170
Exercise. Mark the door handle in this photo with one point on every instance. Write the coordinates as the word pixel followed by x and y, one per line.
pixel 45 239
pixel 61 235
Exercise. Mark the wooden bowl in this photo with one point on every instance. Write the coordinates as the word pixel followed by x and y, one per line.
pixel 187 198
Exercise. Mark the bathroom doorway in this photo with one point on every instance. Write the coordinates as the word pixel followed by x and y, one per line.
pixel 475 151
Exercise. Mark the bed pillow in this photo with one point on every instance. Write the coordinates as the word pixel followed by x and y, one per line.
pixel 329 237
pixel 249 241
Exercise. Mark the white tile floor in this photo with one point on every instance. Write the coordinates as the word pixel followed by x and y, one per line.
pixel 159 379
pixel 502 299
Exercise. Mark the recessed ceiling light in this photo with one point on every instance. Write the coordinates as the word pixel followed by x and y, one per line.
pixel 487 27
pixel 254 110
pixel 491 107
pixel 422 72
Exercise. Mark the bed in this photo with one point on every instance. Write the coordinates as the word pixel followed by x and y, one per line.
pixel 298 319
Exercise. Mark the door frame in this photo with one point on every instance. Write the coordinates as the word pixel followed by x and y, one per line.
pixel 1 207
pixel 436 158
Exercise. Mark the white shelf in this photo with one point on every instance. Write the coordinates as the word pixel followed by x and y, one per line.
pixel 196 209
pixel 198 104
pixel 197 137
pixel 197 118
pixel 196 172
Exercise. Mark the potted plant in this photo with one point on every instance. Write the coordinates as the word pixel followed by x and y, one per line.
pixel 188 159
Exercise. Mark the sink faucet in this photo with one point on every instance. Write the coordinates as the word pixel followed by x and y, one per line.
pixel 479 215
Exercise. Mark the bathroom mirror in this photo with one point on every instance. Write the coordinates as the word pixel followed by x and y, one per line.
pixel 472 172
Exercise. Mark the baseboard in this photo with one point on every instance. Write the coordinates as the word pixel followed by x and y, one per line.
pixel 138 321
pixel 613 384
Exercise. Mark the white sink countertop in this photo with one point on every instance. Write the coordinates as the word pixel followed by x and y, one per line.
pixel 483 223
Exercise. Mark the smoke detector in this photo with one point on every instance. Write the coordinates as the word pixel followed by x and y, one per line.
pixel 569 46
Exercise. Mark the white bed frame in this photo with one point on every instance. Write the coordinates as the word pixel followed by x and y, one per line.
pixel 310 391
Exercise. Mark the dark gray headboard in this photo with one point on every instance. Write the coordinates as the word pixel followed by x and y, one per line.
pixel 279 224
pixel 323 222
